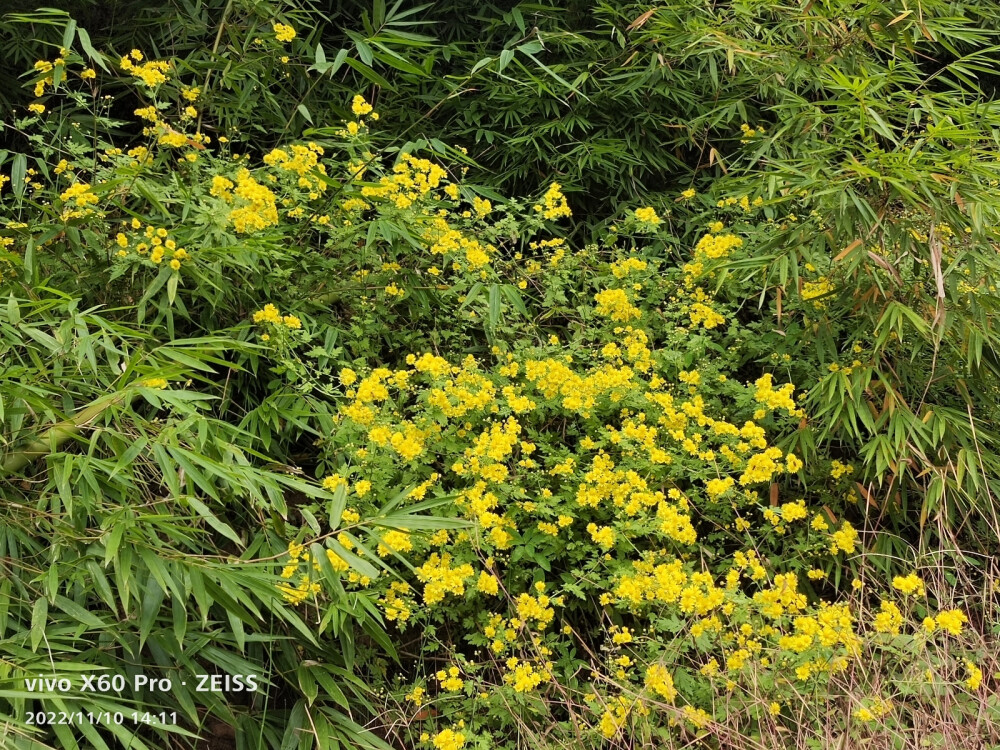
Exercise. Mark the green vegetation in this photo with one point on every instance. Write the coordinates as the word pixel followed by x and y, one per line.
pixel 571 375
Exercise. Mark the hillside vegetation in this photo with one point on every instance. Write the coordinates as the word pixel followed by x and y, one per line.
pixel 551 375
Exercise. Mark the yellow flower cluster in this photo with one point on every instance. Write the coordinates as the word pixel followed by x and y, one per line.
pixel 615 304
pixel 394 541
pixel 951 621
pixel 553 204
pixel 975 678
pixel 152 73
pixel 535 608
pixel 449 739
pixel 775 399
pixel 660 682
pixel 603 536
pixel 359 106
pixel 447 241
pixel 440 578
pixel 623 268
pixel 396 605
pixel 703 315
pixel 876 710
pixel 716 246
pixel 306 587
pixel 255 205
pixel 844 539
pixel 523 676
pixel 888 619
pixel 270 314
pixel 647 216
pixel 303 161
pixel 80 194
pixel 449 679
pixel 412 179
pixel 910 584
pixel 45 68
pixel 838 469
pixel 283 32
pixel 817 291
pixel 155 242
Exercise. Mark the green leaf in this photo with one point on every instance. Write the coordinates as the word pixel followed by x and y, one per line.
pixel 13 311
pixel 205 512
pixel 92 53
pixel 69 34
pixel 18 171
pixel 494 309
pixel 307 684
pixel 78 613
pixel 39 617
pixel 364 52
pixel 150 608
pixel 172 287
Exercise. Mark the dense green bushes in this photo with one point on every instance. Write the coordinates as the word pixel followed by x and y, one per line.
pixel 625 377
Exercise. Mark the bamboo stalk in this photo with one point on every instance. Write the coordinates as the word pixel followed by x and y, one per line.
pixel 59 433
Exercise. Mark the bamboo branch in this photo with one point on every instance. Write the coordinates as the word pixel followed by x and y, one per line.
pixel 59 433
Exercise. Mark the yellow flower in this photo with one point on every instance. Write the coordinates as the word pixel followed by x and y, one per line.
pixel 553 205
pixel 975 676
pixel 283 32
pixel 450 681
pixel 615 304
pixel 889 619
pixel 359 106
pixel 333 481
pixel 845 539
pixel 648 215
pixel 951 620
pixel 448 739
pixel 911 584
pixel 837 469
pixel 660 682
pixel 38 109
pixel 481 206
pixel 487 584
pixel 268 314
pixel 603 536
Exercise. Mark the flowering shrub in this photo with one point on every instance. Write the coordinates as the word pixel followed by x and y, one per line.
pixel 589 480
